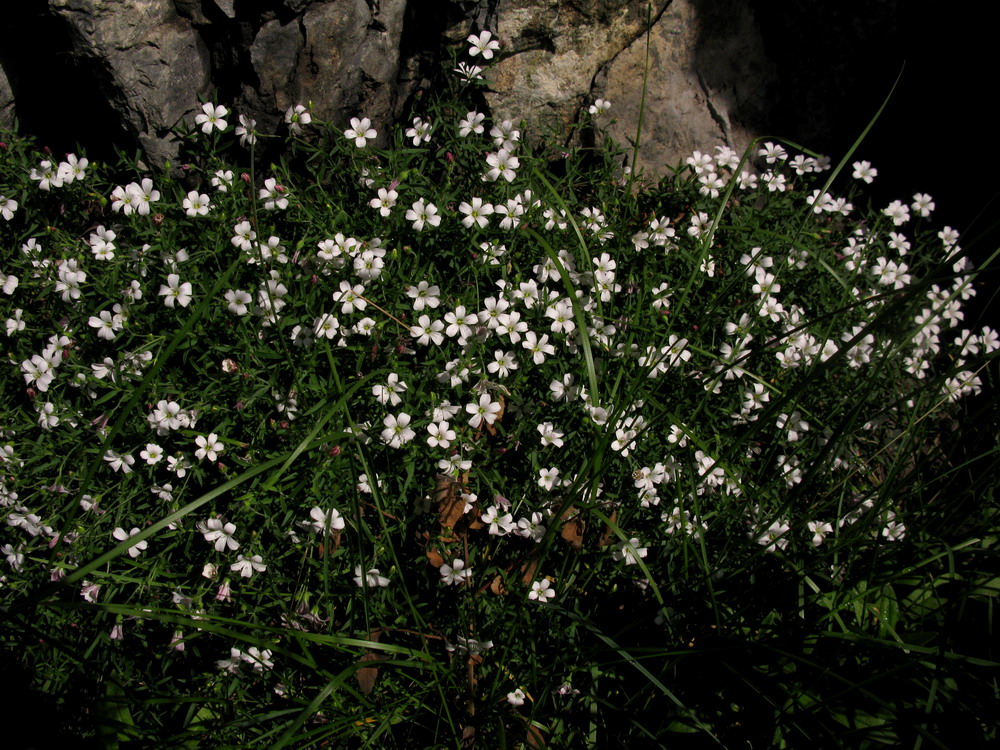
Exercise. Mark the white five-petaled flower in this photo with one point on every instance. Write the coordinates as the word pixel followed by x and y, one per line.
pixel 484 45
pixel 211 116
pixel 208 447
pixel 220 534
pixel 456 573
pixel 441 434
pixel 630 552
pixel 423 213
pixel 487 410
pixel 502 164
pixel 296 117
pixel 324 521
pixel 599 107
pixel 121 535
pixel 397 430
pixel 541 590
pixel 174 291
pixel 119 461
pixel 516 697
pixel 371 579
pixel 247 566
pixel 385 201
pixel 196 204
pixel 361 131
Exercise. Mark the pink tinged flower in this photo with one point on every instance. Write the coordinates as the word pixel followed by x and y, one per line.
pixel 324 521
pixel 90 591
pixel 516 697
pixel 247 566
pixel 629 551
pixel 174 291
pixel 121 535
pixel 397 430
pixel 211 117
pixel 116 634
pixel 372 578
pixel 220 534
pixel 475 212
pixel 455 574
pixel 360 131
pixel 486 410
pixel 196 204
pixel 423 213
pixel 385 201
pixel 224 592
pixel 208 447
pixel 484 44
pixel 541 590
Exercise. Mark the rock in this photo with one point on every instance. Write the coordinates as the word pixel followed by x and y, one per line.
pixel 707 80
pixel 148 64
pixel 153 64
pixel 7 113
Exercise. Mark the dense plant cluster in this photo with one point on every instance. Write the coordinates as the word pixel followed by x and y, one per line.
pixel 465 436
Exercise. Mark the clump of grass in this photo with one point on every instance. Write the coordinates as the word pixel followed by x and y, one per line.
pixel 421 445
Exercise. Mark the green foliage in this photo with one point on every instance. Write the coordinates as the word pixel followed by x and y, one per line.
pixel 695 485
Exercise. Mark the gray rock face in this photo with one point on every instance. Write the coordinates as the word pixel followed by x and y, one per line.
pixel 154 61
pixel 7 112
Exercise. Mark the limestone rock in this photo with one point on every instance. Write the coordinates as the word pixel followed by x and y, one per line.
pixel 153 64
pixel 706 86
pixel 7 113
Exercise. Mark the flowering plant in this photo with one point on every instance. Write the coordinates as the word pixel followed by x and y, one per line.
pixel 625 418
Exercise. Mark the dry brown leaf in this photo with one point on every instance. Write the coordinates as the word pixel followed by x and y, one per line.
pixel 497 585
pixel 434 557
pixel 528 570
pixel 533 738
pixel 366 675
pixel 332 543
pixel 573 528
pixel 448 496
pixel 607 534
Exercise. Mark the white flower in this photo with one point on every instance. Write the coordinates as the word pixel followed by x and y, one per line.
pixel 296 117
pixel 121 535
pixel 174 291
pixel 630 552
pixel 441 434
pixel 541 590
pixel 516 697
pixel 599 107
pixel 152 454
pixel 397 430
pixel 208 447
pixel 456 573
pixel 371 579
pixel 324 521
pixel 220 534
pixel 422 213
pixel 196 204
pixel 246 567
pixel 486 410
pixel 211 116
pixel 473 123
pixel 361 131
pixel 119 462
pixel 484 45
